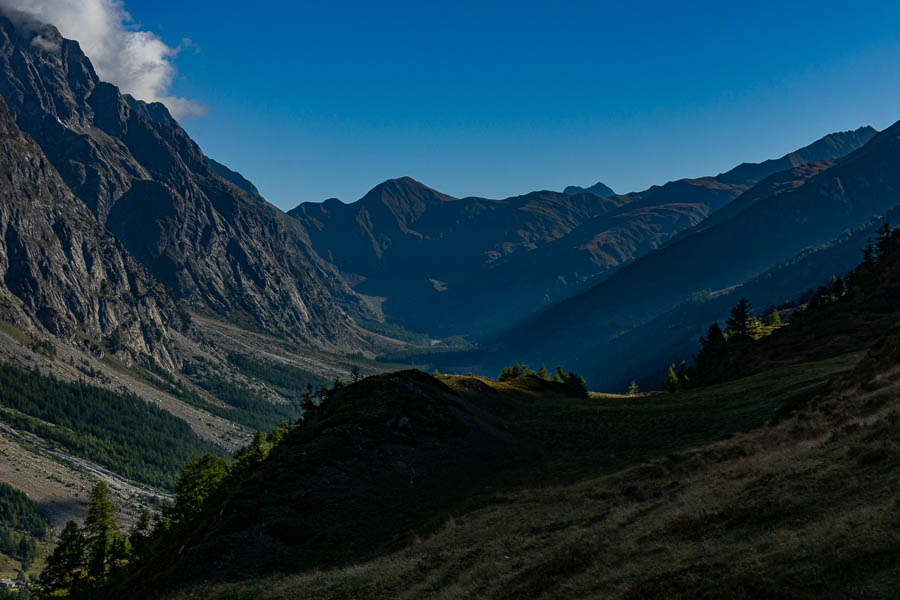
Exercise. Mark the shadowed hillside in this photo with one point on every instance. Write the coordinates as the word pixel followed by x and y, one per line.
pixel 389 459
pixel 484 264
pixel 794 500
pixel 858 187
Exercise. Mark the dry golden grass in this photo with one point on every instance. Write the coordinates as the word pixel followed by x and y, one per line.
pixel 806 508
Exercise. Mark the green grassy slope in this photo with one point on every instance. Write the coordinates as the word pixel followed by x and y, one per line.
pixel 354 483
pixel 805 509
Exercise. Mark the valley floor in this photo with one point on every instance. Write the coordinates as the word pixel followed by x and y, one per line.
pixel 805 506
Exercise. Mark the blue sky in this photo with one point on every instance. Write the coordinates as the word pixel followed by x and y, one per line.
pixel 318 99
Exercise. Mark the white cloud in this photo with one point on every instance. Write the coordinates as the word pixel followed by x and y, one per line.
pixel 137 61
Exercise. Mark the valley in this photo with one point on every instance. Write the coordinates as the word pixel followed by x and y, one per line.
pixel 688 391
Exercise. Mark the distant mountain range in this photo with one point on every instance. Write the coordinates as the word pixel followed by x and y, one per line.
pixel 771 223
pixel 475 266
pixel 553 276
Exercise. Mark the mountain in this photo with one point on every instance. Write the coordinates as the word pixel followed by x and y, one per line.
pixel 637 356
pixel 599 188
pixel 833 145
pixel 483 265
pixel 408 243
pixel 61 272
pixel 805 212
pixel 201 229
pixel 353 494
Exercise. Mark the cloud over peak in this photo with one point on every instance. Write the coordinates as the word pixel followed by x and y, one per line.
pixel 137 61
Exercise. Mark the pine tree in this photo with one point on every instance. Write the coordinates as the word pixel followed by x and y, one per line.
pixel 774 318
pixel 517 370
pixel 140 534
pixel 633 388
pixel 884 241
pixel 683 374
pixel 22 550
pixel 543 373
pixel 670 383
pixel 868 254
pixel 307 402
pixel 100 531
pixel 67 562
pixel 560 375
pixel 713 357
pixel 252 453
pixel 738 324
pixel 199 478
pixel 837 287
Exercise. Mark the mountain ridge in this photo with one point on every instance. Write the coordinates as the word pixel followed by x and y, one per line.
pixel 214 242
pixel 769 231
pixel 483 272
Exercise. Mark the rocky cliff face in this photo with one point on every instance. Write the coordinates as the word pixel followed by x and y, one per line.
pixel 213 242
pixel 62 272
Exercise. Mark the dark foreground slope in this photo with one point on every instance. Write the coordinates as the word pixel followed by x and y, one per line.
pixel 805 509
pixel 803 505
pixel 396 455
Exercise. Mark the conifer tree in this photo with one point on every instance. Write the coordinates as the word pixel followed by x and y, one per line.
pixel 140 535
pixel 252 453
pixel 670 382
pixel 868 254
pixel 543 373
pixel 774 318
pixel 713 356
pixel 560 375
pixel 633 388
pixel 100 531
pixel 198 479
pixel 738 324
pixel 517 370
pixel 837 287
pixel 307 401
pixel 67 562
pixel 884 241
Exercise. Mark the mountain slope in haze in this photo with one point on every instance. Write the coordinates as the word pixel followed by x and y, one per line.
pixel 408 243
pixel 402 225
pixel 858 187
pixel 482 264
pixel 215 243
pixel 833 145
pixel 524 284
pixel 636 355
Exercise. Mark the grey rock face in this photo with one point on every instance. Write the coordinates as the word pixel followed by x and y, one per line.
pixel 214 243
pixel 62 272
